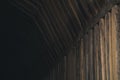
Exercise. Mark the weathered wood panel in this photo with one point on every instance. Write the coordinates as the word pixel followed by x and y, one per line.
pixel 96 55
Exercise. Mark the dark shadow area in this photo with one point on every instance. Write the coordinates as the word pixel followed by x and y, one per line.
pixel 22 46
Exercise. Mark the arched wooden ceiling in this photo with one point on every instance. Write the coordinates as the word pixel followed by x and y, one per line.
pixel 63 22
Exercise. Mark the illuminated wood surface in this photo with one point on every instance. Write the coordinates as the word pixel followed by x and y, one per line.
pixel 95 57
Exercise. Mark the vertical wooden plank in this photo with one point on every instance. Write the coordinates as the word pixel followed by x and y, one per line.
pixel 70 75
pixel 114 43
pixel 65 68
pixel 96 53
pixel 82 60
pixel 74 63
pixel 71 65
pixel 105 53
pixel 60 71
pixel 91 54
pixel 102 47
pixel 99 51
pixel 118 41
pixel 110 47
pixel 86 56
pixel 78 61
pixel 109 44
pixel 106 44
pixel 105 49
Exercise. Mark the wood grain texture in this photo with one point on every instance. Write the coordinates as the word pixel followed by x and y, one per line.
pixel 63 22
pixel 96 56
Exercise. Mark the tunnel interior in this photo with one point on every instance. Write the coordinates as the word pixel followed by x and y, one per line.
pixel 60 40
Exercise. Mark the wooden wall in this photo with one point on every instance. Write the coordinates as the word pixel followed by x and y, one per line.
pixel 96 55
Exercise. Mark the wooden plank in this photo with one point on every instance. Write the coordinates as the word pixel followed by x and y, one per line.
pixel 110 47
pixel 65 68
pixel 118 41
pixel 91 54
pixel 107 45
pixel 78 61
pixel 86 55
pixel 96 73
pixel 114 43
pixel 82 61
pixel 102 42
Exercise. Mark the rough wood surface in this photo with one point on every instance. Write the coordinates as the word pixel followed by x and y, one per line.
pixel 96 56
